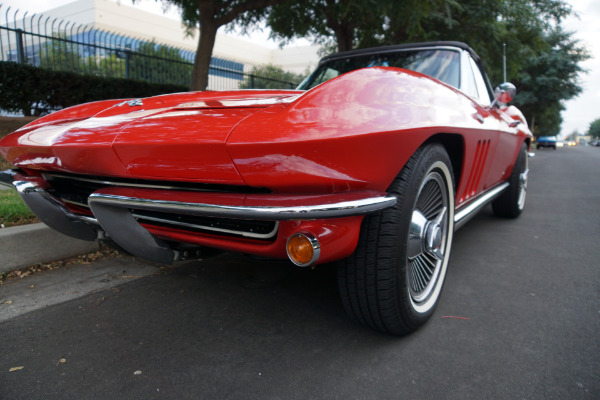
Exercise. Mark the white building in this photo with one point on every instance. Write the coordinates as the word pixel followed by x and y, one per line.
pixel 123 19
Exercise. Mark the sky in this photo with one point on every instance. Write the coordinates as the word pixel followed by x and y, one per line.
pixel 579 113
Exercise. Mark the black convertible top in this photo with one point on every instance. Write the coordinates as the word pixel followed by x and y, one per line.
pixel 400 47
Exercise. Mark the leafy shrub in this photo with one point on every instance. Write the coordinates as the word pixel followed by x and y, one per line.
pixel 36 91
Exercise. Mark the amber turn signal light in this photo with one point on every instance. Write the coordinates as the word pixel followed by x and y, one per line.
pixel 303 249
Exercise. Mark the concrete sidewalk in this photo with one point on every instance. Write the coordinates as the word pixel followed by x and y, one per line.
pixel 25 245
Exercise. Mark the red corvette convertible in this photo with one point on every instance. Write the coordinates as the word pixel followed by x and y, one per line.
pixel 377 158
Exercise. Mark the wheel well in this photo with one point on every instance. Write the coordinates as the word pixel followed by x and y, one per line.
pixel 454 145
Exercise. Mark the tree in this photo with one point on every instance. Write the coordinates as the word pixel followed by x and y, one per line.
pixel 110 64
pixel 487 25
pixel 594 129
pixel 60 54
pixel 346 21
pixel 209 16
pixel 270 77
pixel 549 78
pixel 152 62
pixel 418 21
pixel 543 60
pixel 351 24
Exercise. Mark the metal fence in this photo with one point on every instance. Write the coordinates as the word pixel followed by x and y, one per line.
pixel 61 45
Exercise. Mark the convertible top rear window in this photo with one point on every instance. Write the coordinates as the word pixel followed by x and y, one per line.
pixel 438 63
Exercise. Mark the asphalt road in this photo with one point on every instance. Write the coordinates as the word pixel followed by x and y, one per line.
pixel 527 292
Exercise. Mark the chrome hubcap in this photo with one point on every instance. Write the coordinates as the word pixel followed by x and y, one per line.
pixel 427 236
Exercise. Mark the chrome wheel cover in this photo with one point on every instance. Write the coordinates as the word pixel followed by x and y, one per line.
pixel 429 238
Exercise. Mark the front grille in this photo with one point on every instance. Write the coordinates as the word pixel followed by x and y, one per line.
pixel 255 229
pixel 77 188
pixel 74 191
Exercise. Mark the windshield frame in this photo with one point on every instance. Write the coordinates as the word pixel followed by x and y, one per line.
pixel 386 50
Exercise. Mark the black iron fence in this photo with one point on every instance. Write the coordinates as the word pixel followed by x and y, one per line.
pixel 60 45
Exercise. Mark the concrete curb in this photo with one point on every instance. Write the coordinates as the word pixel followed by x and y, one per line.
pixel 25 245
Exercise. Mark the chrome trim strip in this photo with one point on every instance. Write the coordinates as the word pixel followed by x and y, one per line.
pixel 272 213
pixel 76 203
pixel 49 176
pixel 87 219
pixel 186 224
pixel 212 228
pixel 462 216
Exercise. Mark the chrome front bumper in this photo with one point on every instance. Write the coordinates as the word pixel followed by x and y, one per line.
pixel 113 217
pixel 48 209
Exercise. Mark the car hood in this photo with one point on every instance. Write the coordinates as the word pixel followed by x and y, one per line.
pixel 148 137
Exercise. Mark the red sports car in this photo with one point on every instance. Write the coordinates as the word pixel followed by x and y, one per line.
pixel 374 162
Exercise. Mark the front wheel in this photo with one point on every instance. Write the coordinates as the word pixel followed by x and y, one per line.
pixel 394 279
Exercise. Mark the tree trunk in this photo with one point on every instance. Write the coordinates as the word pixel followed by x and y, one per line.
pixel 210 19
pixel 208 34
pixel 344 36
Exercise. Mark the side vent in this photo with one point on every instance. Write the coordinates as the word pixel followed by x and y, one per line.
pixel 479 162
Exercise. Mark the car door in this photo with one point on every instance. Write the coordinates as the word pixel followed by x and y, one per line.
pixel 488 151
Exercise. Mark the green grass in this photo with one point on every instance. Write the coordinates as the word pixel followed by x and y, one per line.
pixel 13 211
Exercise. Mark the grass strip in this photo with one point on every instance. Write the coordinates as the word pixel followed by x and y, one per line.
pixel 13 211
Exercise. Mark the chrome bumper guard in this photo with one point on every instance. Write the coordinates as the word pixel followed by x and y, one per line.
pixel 48 209
pixel 112 210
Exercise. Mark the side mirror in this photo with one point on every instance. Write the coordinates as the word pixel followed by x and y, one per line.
pixel 504 94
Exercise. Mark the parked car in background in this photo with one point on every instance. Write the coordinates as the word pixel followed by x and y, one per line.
pixel 373 162
pixel 546 141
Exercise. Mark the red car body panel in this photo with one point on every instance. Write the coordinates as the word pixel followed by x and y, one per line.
pixel 281 146
pixel 350 134
pixel 338 237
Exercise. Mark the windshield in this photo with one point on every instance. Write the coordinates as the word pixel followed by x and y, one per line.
pixel 440 64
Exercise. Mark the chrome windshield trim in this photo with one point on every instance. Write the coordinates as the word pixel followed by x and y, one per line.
pixel 273 213
pixel 471 209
